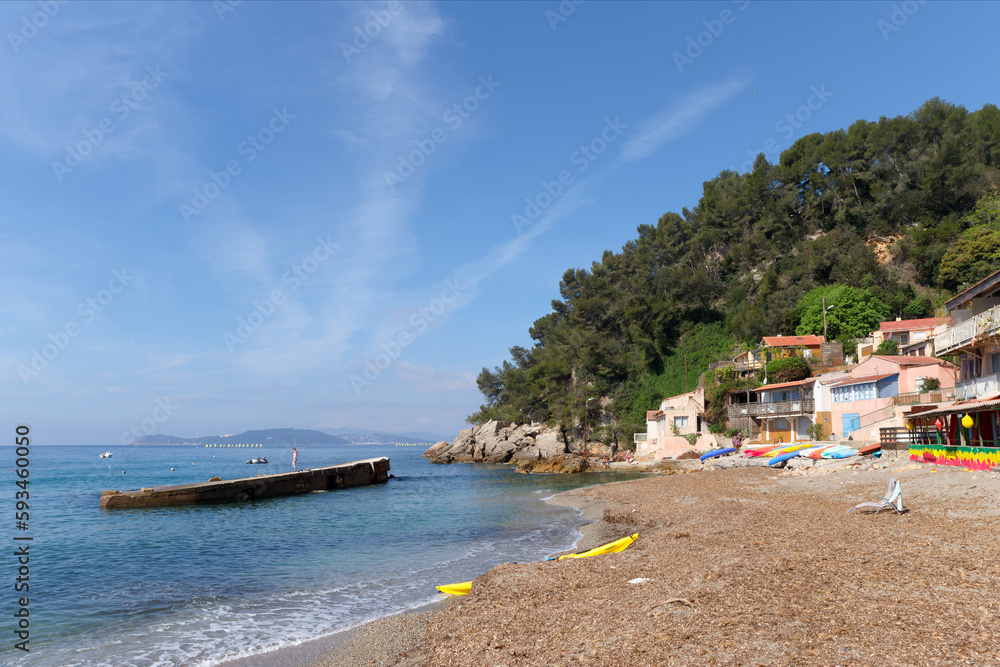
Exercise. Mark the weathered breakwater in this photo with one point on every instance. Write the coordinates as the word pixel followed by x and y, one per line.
pixel 345 475
pixel 530 446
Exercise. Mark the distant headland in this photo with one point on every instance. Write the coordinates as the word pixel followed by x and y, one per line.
pixel 281 437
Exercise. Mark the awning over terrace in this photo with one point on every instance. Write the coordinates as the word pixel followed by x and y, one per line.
pixel 962 407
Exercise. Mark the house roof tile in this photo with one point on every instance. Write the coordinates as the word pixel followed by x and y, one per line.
pixel 789 341
pixel 863 379
pixel 782 385
pixel 904 360
pixel 986 283
pixel 913 325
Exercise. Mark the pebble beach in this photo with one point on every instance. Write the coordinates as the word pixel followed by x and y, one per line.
pixel 745 566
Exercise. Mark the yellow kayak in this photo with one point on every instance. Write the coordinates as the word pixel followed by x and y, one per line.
pixel 789 448
pixel 456 589
pixel 609 548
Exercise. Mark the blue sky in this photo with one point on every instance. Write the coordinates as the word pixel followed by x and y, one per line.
pixel 223 216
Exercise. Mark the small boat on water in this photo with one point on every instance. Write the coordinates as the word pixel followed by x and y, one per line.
pixel 106 455
pixel 260 460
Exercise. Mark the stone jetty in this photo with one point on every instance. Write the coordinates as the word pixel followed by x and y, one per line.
pixel 343 476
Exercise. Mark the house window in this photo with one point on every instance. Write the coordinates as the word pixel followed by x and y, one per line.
pixel 995 362
pixel 680 422
pixel 780 424
pixel 854 392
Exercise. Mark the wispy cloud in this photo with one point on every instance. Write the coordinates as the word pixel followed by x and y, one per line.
pixel 680 118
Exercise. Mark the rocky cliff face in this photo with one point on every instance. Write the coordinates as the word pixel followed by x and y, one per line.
pixel 530 446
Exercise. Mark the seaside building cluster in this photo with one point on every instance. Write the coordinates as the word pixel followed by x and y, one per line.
pixel 938 398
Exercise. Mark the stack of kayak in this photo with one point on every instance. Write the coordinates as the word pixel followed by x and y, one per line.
pixel 781 453
pixel 609 548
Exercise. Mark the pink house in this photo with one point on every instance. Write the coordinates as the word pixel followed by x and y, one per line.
pixel 914 337
pixel 880 392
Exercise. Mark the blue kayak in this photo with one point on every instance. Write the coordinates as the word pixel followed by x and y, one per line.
pixel 781 458
pixel 716 452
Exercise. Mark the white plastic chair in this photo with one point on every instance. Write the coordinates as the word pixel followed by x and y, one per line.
pixel 893 498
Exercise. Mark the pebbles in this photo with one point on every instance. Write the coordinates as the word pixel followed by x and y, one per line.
pixel 770 572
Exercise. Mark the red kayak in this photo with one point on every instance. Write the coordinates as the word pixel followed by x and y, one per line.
pixel 761 450
pixel 818 454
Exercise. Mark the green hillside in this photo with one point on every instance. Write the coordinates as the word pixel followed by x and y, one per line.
pixel 882 219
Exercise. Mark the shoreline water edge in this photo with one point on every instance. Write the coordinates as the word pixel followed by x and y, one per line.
pixel 400 639
pixel 739 566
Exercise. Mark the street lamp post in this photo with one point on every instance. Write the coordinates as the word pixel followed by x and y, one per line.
pixel 824 319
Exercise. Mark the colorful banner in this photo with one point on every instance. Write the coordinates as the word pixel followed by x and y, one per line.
pixel 975 458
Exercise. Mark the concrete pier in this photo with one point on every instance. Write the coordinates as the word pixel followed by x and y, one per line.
pixel 343 476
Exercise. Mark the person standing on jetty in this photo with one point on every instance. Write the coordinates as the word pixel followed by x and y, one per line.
pixel 295 459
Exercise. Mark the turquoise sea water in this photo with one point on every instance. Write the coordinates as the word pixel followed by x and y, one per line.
pixel 195 585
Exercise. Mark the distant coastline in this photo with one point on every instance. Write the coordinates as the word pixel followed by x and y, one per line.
pixel 282 437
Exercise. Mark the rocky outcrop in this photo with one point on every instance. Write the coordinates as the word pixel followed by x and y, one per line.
pixel 531 446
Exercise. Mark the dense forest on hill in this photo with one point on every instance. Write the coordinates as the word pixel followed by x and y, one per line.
pixel 884 219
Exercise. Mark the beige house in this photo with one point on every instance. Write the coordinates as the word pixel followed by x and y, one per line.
pixel 676 417
pixel 779 347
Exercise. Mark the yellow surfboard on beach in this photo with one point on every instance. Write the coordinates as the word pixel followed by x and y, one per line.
pixel 610 548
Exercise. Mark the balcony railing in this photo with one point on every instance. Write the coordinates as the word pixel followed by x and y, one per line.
pixel 802 406
pixel 744 366
pixel 978 387
pixel 962 334
pixel 932 396
pixel 639 437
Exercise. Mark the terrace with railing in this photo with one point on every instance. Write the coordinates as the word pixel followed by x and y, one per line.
pixel 987 385
pixel 952 339
pixel 803 406
pixel 930 396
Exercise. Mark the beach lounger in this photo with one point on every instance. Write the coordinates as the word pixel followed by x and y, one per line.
pixel 893 498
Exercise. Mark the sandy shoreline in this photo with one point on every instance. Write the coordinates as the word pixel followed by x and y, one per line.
pixel 742 566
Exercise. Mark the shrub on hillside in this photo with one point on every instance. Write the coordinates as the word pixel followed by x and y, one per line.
pixel 787 370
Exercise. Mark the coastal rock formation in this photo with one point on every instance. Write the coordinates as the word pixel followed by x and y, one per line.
pixel 531 446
